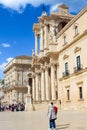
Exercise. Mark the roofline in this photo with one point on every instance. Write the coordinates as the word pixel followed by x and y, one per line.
pixel 72 21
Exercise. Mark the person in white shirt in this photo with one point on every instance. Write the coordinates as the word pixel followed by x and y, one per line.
pixel 52 117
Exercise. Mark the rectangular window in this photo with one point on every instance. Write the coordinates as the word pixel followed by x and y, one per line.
pixel 78 62
pixel 76 30
pixel 80 93
pixel 66 68
pixel 68 94
pixel 65 40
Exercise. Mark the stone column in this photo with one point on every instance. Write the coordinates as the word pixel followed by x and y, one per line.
pixel 53 91
pixel 46 37
pixel 41 40
pixel 37 87
pixel 33 86
pixel 47 84
pixel 36 44
pixel 42 85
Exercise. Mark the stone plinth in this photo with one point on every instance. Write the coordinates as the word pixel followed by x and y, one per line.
pixel 28 105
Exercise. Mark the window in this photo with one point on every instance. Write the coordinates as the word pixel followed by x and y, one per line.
pixel 78 62
pixel 66 67
pixel 68 94
pixel 76 30
pixel 65 40
pixel 80 93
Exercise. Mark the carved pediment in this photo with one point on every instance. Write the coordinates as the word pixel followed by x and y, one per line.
pixel 65 56
pixel 77 49
pixel 80 83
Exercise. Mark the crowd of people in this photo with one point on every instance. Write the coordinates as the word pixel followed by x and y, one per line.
pixel 12 107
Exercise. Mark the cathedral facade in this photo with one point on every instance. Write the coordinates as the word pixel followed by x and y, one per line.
pixel 59 69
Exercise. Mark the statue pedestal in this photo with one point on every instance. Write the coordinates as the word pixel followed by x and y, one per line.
pixel 28 105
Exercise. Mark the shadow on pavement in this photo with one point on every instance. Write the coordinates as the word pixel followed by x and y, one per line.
pixel 62 126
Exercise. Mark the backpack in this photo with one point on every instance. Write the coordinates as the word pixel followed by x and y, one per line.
pixel 55 109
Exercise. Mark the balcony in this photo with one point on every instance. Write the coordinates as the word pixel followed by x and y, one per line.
pixel 78 68
pixel 66 73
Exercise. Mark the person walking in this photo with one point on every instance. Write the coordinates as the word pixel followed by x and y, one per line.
pixel 52 117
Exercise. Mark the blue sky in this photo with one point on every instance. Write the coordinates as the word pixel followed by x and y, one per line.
pixel 16 25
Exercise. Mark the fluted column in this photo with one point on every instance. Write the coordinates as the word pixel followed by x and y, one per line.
pixel 36 44
pixel 37 87
pixel 47 84
pixel 42 85
pixel 53 89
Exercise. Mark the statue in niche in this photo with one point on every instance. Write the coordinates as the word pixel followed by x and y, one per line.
pixel 52 33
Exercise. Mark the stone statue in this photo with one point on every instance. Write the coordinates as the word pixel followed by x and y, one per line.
pixel 52 34
pixel 29 89
pixel 33 53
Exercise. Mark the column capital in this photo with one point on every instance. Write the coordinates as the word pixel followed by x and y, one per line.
pixel 33 75
pixel 36 33
pixel 42 25
pixel 36 73
pixel 52 64
pixel 46 67
pixel 43 69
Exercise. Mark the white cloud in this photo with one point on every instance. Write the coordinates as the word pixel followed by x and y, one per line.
pixel 9 59
pixel 54 8
pixel 19 5
pixel 5 45
pixel 2 66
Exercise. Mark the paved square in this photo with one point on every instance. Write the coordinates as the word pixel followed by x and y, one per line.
pixel 37 120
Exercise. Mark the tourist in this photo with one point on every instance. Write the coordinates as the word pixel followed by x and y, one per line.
pixel 52 117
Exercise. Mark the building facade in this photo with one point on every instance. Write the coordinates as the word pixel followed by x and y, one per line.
pixel 60 66
pixel 17 78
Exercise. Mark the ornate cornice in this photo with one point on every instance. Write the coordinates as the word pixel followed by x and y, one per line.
pixel 36 26
pixel 53 55
pixel 44 59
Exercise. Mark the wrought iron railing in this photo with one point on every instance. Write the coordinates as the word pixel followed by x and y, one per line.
pixel 78 68
pixel 66 73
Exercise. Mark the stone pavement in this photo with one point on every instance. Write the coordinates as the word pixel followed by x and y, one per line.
pixel 37 120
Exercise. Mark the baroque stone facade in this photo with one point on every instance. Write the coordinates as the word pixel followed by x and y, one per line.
pixel 60 66
pixel 17 78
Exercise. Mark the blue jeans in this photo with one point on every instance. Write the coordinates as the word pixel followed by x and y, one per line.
pixel 52 123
